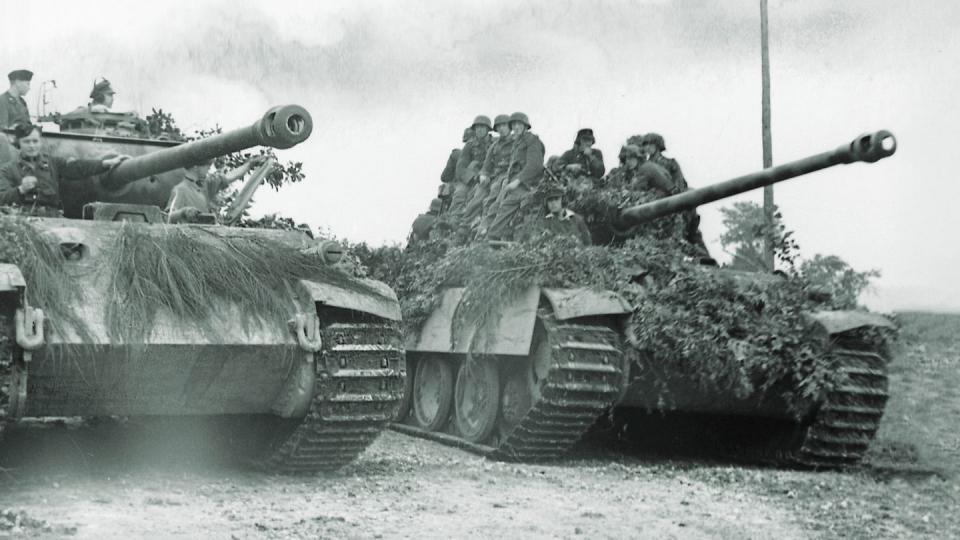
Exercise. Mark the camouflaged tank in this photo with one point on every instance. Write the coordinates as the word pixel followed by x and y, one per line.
pixel 557 362
pixel 320 377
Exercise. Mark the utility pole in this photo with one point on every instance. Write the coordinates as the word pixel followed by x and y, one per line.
pixel 767 142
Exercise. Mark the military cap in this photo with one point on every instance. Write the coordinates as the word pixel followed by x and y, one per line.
pixel 630 150
pixel 467 134
pixel 655 139
pixel 520 117
pixel 101 87
pixel 553 192
pixel 585 133
pixel 20 75
pixel 482 121
pixel 23 129
pixel 501 119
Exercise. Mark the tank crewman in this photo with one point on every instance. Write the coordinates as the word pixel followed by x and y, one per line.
pixel 653 147
pixel 526 170
pixel 469 163
pixel 492 172
pixel 33 180
pixel 562 221
pixel 424 223
pixel 645 178
pixel 101 96
pixel 459 190
pixel 13 110
pixel 583 158
pixel 197 191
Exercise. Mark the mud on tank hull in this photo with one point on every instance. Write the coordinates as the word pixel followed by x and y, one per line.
pixel 328 396
pixel 559 361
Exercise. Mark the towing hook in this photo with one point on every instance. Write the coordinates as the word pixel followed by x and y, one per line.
pixel 29 328
pixel 306 327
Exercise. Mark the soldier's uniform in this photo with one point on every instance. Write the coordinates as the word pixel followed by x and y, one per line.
pixel 13 110
pixel 468 170
pixel 424 223
pixel 590 164
pixel 449 173
pixel 526 168
pixel 564 222
pixel 49 172
pixel 690 217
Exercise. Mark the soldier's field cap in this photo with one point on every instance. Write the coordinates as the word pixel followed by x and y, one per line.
pixel 482 121
pixel 501 119
pixel 520 117
pixel 553 192
pixel 20 75
pixel 586 133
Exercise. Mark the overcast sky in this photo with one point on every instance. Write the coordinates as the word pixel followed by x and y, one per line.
pixel 391 85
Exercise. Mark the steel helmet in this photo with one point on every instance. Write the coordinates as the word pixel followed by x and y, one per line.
pixel 482 121
pixel 501 119
pixel 520 117
pixel 655 139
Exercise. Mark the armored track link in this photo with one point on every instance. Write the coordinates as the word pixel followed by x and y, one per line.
pixel 359 385
pixel 849 418
pixel 585 378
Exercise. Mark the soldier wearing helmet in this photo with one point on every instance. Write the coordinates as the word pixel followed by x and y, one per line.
pixel 469 163
pixel 525 171
pixel 495 167
pixel 561 221
pixel 587 160
pixel 653 147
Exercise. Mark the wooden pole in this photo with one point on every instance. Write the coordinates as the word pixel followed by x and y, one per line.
pixel 767 142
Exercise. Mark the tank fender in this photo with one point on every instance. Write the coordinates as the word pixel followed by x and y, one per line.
pixel 385 306
pixel 11 279
pixel 512 337
pixel 574 303
pixel 835 322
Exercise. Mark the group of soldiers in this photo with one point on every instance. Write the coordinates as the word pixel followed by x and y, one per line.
pixel 496 187
pixel 30 179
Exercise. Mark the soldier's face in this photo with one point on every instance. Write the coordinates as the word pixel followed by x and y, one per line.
pixel 22 86
pixel 108 100
pixel 30 145
pixel 518 127
pixel 480 131
pixel 632 162
pixel 503 129
pixel 649 149
pixel 554 204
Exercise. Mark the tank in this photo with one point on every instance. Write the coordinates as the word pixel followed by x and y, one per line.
pixel 557 363
pixel 313 365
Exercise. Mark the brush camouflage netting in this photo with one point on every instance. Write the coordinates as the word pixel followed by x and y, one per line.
pixel 160 267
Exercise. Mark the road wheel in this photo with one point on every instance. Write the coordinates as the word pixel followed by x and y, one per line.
pixel 477 398
pixel 523 382
pixel 432 393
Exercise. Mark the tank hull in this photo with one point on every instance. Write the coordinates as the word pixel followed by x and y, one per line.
pixel 334 394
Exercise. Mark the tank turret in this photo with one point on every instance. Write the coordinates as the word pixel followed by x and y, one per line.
pixel 148 177
pixel 869 147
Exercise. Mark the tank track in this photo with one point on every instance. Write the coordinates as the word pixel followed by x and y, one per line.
pixel 849 418
pixel 585 378
pixel 359 384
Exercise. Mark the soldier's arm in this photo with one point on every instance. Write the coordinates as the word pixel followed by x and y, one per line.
pixel 9 184
pixel 463 161
pixel 487 169
pixel 78 169
pixel 450 170
pixel 4 114
pixel 533 167
pixel 596 164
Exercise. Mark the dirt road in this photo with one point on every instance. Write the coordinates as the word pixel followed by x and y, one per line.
pixel 401 488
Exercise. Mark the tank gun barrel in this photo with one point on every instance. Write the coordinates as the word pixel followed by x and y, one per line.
pixel 280 127
pixel 869 148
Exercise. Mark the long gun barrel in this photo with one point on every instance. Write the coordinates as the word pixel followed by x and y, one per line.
pixel 869 148
pixel 281 127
